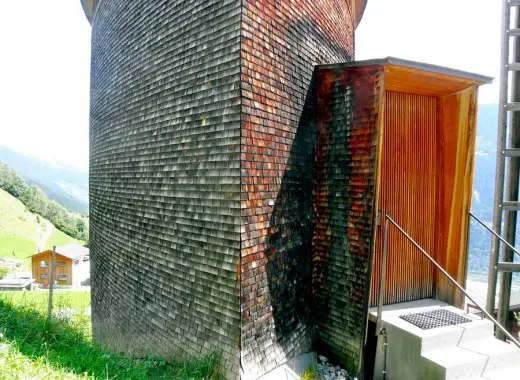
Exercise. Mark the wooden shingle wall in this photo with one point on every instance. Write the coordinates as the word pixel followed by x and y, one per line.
pixel 165 177
pixel 349 110
pixel 281 43
pixel 203 135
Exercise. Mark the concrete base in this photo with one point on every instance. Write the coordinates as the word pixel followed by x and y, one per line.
pixel 291 369
pixel 463 351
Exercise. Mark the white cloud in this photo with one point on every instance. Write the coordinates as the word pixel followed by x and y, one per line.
pixel 476 196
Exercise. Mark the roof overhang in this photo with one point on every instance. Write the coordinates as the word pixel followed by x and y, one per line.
pixel 358 9
pixel 70 251
pixel 417 77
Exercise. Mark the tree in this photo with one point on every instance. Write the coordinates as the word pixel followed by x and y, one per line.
pixel 4 174
pixel 15 184
pixel 35 199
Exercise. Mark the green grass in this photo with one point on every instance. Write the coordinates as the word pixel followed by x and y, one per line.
pixel 15 365
pixel 19 229
pixel 37 300
pixel 58 238
pixel 32 347
pixel 310 374
pixel 17 247
pixel 16 220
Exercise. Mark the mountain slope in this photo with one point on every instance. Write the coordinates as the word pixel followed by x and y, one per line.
pixel 485 161
pixel 22 231
pixel 483 193
pixel 66 185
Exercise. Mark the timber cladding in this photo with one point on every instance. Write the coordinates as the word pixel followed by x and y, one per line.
pixel 408 178
pixel 203 183
pixel 281 43
pixel 349 109
pixel 165 177
pixel 41 268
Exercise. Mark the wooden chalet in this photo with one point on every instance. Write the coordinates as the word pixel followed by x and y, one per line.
pixel 67 257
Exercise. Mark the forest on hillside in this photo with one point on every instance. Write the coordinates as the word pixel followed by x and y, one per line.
pixel 483 192
pixel 66 185
pixel 36 201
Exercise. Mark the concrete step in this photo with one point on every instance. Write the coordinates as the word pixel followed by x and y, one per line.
pixel 500 355
pixel 454 335
pixel 477 330
pixel 510 373
pixel 457 352
pixel 452 363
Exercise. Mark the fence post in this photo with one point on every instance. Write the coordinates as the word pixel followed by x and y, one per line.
pixel 51 281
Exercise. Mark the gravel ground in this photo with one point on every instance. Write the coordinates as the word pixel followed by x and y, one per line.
pixel 327 371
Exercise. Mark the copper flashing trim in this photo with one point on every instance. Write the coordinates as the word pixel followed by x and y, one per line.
pixel 359 8
pixel 412 65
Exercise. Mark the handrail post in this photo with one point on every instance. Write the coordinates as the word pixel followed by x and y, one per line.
pixel 443 271
pixel 382 282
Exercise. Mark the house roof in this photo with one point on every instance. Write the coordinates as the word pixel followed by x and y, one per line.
pixel 71 251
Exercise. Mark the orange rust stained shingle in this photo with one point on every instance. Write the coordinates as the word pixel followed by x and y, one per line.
pixel 282 41
pixel 348 107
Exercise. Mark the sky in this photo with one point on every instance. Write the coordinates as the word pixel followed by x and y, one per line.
pixel 44 80
pixel 44 73
pixel 460 34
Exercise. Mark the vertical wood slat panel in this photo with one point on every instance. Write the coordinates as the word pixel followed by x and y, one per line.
pixel 407 193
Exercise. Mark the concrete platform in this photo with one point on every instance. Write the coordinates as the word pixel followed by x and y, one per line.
pixel 462 351
pixel 290 370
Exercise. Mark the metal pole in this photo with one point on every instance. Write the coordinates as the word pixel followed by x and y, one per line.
pixel 51 282
pixel 511 337
pixel 382 282
pixel 499 175
pixel 510 217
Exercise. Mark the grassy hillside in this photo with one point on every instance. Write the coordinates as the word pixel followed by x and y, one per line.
pixel 22 231
pixel 32 347
pixel 58 238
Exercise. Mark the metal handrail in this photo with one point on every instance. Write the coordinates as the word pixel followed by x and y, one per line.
pixel 382 283
pixel 494 233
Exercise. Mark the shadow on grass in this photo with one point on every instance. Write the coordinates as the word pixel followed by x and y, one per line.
pixel 65 344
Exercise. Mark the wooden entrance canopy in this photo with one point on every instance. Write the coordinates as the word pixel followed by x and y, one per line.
pixel 411 146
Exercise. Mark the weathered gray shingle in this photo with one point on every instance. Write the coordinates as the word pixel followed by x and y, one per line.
pixel 164 177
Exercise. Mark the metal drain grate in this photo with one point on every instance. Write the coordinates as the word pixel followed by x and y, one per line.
pixel 433 319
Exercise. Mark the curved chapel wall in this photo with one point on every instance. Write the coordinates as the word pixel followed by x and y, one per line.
pixel 164 177
pixel 203 135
